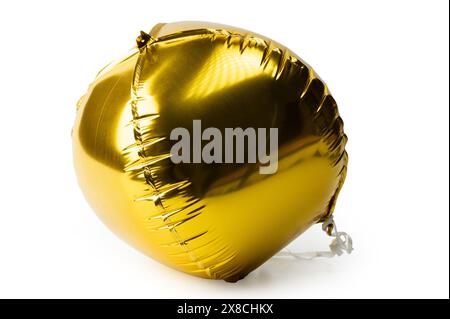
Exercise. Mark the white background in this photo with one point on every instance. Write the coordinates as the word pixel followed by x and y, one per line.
pixel 386 63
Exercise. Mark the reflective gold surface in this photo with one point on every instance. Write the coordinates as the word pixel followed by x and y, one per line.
pixel 211 220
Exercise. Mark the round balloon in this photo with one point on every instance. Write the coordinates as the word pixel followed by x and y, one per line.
pixel 263 154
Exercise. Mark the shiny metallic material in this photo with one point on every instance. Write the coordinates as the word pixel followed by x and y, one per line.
pixel 215 220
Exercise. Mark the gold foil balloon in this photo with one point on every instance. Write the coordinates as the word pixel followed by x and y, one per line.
pixel 216 220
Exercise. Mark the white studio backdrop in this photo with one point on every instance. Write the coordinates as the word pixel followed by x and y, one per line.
pixel 386 63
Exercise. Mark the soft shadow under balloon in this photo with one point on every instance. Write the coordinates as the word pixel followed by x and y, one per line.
pixel 280 269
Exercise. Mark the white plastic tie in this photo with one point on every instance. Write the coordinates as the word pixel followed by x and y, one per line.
pixel 342 242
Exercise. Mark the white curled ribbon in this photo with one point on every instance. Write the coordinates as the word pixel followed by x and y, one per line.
pixel 342 242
